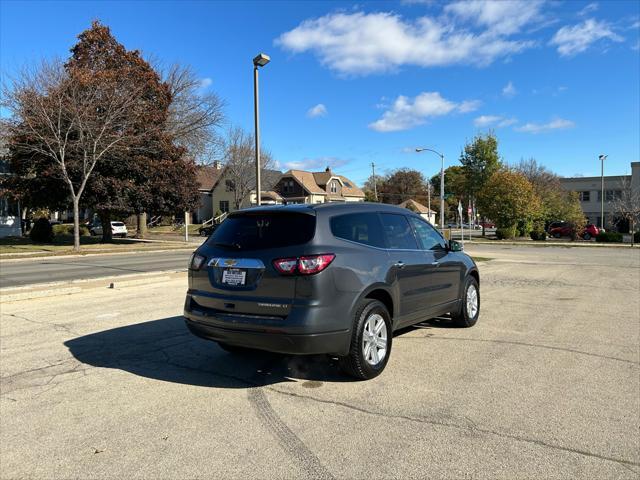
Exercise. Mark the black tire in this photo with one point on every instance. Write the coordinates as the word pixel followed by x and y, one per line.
pixel 234 349
pixel 556 235
pixel 354 363
pixel 587 236
pixel 93 233
pixel 463 318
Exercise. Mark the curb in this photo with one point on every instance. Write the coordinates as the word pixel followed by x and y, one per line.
pixel 54 289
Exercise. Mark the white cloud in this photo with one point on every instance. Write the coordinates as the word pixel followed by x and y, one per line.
pixel 485 120
pixel 318 111
pixel 571 40
pixel 556 124
pixel 469 106
pixel 406 113
pixel 362 43
pixel 314 164
pixel 589 8
pixel 493 120
pixel 509 90
pixel 205 83
pixel 501 17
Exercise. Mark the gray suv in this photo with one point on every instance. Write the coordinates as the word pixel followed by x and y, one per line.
pixel 334 279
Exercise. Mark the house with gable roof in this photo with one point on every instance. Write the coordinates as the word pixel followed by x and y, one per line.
pixel 300 186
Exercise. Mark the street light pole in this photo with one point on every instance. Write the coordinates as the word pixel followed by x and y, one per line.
pixel 442 193
pixel 602 159
pixel 441 182
pixel 259 61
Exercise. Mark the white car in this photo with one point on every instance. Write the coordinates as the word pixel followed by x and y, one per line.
pixel 118 229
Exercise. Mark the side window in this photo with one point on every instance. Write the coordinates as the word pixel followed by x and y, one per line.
pixel 398 232
pixel 428 238
pixel 358 227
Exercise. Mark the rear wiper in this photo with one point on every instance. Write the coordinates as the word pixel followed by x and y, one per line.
pixel 228 245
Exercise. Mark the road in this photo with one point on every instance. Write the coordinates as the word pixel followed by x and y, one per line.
pixel 61 269
pixel 108 383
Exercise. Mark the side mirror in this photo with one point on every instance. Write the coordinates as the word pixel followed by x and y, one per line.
pixel 455 246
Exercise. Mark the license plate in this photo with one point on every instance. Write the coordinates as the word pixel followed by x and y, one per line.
pixel 234 276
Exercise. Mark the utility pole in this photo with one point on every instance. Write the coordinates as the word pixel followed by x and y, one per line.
pixel 375 183
pixel 602 159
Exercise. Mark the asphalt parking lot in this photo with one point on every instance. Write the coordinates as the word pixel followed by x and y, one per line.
pixel 108 383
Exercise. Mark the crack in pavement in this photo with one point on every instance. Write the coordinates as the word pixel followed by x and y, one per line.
pixel 56 326
pixel 470 427
pixel 522 344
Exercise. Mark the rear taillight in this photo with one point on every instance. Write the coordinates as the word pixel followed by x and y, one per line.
pixel 286 266
pixel 307 265
pixel 314 263
pixel 196 261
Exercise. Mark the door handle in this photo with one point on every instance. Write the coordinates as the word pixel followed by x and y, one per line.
pixel 399 264
pixel 435 264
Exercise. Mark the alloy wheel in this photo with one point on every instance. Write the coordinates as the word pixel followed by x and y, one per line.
pixel 374 339
pixel 472 301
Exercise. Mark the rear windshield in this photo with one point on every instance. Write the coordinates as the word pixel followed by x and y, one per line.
pixel 117 224
pixel 265 230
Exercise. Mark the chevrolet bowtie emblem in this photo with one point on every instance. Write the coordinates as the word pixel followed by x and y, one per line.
pixel 230 262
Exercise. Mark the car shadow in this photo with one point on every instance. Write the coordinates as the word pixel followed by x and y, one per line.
pixel 437 322
pixel 165 350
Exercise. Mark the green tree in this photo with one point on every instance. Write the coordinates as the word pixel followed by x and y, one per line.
pixel 509 198
pixel 480 160
pixel 455 188
pixel 455 182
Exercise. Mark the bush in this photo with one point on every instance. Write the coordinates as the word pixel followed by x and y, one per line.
pixel 41 231
pixel 524 227
pixel 610 237
pixel 636 237
pixel 506 233
pixel 538 234
pixel 67 229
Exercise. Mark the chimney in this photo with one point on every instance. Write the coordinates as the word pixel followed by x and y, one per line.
pixel 216 164
pixel 328 169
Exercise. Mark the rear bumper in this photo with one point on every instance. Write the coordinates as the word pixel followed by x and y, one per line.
pixel 264 333
pixel 308 344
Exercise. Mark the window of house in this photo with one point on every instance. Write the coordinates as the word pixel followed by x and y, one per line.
pixel 230 186
pixel 584 196
pixel 224 206
pixel 287 186
pixel 334 187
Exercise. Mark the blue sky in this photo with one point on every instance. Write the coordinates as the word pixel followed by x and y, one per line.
pixel 355 83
